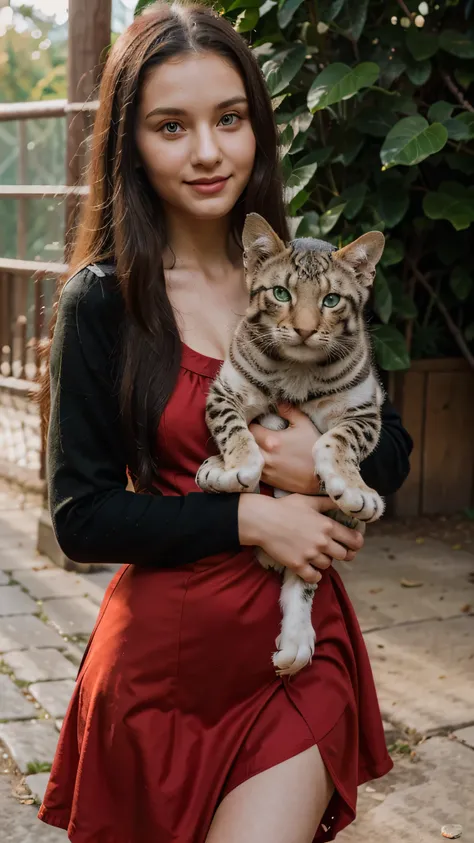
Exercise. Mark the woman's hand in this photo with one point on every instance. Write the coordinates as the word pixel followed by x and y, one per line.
pixel 287 453
pixel 294 531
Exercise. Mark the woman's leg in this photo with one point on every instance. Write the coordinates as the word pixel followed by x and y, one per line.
pixel 284 804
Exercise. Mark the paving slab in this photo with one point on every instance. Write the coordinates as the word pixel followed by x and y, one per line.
pixel 37 783
pixel 374 581
pixel 21 555
pixel 95 584
pixel 414 805
pixel 72 615
pixel 53 696
pixel 14 601
pixel 424 673
pixel 20 824
pixel 39 665
pixel 30 741
pixel 23 631
pixel 13 704
pixel 51 582
pixel 466 736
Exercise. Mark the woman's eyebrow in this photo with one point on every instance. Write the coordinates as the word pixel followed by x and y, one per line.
pixel 180 111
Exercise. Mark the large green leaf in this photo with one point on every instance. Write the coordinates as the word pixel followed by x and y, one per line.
pixel 419 72
pixel 393 201
pixel 247 20
pixel 440 111
pixel 402 304
pixel 243 4
pixel 390 348
pixel 354 198
pixel 375 121
pixel 461 161
pixel 286 139
pixel 393 253
pixel 382 296
pixel 422 45
pixel 298 180
pixel 340 82
pixel 355 18
pixel 457 129
pixel 287 10
pixel 452 201
pixel 328 220
pixel 461 282
pixel 317 156
pixel 459 44
pixel 282 68
pixel 412 140
pixel 467 118
pixel 330 9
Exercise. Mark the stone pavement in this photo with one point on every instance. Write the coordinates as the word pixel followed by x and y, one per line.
pixel 415 602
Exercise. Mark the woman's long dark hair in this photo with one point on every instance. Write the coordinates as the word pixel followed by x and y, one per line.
pixel 121 220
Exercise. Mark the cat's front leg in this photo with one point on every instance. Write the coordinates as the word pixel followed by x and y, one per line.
pixel 337 455
pixel 297 638
pixel 230 406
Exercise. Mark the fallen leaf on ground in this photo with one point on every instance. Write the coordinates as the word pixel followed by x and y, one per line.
pixel 410 583
pixel 451 831
pixel 419 540
pixel 457 546
pixel 466 608
pixel 375 590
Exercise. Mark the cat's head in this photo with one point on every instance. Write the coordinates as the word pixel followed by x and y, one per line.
pixel 307 298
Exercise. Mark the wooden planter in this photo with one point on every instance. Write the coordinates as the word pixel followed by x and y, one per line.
pixel 436 402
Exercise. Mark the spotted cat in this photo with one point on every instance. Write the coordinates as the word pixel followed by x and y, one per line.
pixel 303 341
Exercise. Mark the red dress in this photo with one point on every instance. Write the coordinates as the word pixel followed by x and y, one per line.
pixel 176 700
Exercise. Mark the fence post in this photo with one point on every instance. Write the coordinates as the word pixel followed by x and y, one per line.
pixel 88 38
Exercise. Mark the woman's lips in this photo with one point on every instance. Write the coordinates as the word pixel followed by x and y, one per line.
pixel 208 188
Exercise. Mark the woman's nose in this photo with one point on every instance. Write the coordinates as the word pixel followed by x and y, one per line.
pixel 206 148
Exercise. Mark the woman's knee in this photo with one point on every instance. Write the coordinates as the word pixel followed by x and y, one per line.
pixel 284 804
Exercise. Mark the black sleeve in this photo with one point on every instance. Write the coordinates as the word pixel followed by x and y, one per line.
pixel 386 468
pixel 95 519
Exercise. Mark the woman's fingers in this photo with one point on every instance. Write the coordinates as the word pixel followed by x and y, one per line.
pixel 337 551
pixel 345 536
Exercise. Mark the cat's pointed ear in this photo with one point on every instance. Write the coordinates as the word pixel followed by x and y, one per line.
pixel 363 255
pixel 259 240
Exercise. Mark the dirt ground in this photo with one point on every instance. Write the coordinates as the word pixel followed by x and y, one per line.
pixel 456 531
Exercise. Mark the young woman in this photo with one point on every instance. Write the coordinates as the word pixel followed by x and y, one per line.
pixel 178 729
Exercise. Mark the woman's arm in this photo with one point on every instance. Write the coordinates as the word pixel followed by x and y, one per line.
pixel 288 462
pixel 386 468
pixel 94 517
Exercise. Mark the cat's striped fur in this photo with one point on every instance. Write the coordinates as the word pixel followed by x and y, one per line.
pixel 312 351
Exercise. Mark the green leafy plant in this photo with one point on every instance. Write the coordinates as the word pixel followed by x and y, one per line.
pixel 376 123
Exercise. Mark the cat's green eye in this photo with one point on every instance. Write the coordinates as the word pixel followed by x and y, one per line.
pixel 331 300
pixel 281 294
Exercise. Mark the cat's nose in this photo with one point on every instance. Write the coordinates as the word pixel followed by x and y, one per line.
pixel 304 333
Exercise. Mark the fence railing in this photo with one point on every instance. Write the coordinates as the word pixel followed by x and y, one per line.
pixel 28 288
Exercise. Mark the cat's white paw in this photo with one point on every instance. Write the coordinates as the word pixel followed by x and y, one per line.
pixel 295 648
pixel 359 501
pixel 212 476
pixel 350 492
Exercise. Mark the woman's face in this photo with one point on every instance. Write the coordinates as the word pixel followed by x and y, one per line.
pixel 194 136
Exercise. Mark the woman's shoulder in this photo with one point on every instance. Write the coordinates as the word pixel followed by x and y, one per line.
pixel 93 293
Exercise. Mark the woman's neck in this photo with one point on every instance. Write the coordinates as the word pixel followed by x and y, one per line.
pixel 202 246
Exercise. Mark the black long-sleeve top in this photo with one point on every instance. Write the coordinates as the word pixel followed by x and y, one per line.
pixel 94 517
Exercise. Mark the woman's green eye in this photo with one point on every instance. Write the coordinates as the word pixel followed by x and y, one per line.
pixel 331 300
pixel 281 294
pixel 229 119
